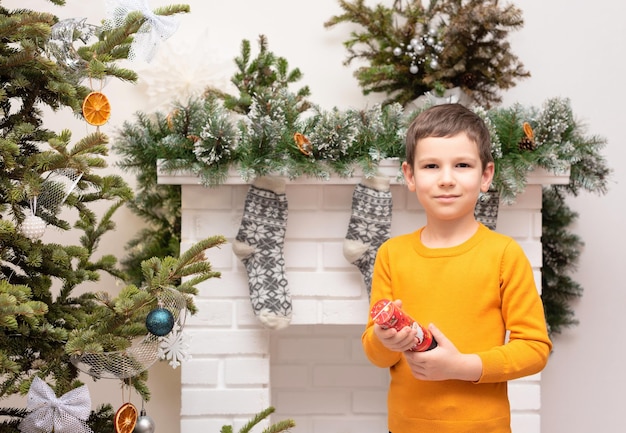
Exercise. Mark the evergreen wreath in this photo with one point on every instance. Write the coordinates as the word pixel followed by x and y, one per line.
pixel 267 131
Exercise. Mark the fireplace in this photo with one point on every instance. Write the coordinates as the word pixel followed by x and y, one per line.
pixel 313 371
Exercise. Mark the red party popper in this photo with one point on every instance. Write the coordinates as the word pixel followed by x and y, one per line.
pixel 388 315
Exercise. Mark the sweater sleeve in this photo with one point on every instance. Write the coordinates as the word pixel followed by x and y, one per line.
pixel 378 354
pixel 528 346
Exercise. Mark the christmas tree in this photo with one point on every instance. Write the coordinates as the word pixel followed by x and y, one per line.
pixel 50 179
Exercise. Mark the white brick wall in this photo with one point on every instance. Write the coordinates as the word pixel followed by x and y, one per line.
pixel 314 371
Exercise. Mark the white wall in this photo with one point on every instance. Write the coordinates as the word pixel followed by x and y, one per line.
pixel 572 48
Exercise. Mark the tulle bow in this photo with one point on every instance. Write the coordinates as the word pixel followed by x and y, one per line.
pixel 66 414
pixel 155 28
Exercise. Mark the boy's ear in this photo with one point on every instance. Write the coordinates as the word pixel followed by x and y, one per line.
pixel 407 171
pixel 488 173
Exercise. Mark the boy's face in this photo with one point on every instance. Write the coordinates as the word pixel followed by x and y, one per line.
pixel 447 176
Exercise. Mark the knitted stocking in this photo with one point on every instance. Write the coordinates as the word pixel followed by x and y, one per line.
pixel 259 244
pixel 486 210
pixel 369 226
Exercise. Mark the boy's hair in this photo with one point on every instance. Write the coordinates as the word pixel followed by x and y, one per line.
pixel 447 120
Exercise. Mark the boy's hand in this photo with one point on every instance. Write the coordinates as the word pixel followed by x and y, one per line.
pixel 398 341
pixel 444 362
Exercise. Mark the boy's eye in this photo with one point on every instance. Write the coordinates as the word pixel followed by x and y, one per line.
pixel 430 166
pixel 463 165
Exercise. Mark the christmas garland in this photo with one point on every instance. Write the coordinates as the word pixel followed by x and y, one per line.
pixel 275 138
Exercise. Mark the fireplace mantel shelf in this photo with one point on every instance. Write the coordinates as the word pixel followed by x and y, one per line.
pixel 389 168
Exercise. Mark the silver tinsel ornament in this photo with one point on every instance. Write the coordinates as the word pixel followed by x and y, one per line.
pixel 144 424
pixel 61 44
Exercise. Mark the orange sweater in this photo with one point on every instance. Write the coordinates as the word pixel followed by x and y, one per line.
pixel 473 293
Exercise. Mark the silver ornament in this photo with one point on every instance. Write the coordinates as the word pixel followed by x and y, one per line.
pixel 413 69
pixel 33 227
pixel 144 423
pixel 434 64
pixel 397 51
pixel 420 48
pixel 63 36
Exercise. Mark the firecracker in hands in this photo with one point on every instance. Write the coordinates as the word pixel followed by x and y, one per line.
pixel 388 315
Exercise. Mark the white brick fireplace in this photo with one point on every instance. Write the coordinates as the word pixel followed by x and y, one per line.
pixel 314 371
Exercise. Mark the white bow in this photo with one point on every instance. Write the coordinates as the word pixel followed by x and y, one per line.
pixel 450 96
pixel 151 32
pixel 48 413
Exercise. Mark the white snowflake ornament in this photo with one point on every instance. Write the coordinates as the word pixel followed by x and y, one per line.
pixel 173 347
pixel 181 71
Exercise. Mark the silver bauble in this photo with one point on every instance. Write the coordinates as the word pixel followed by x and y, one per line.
pixel 414 69
pixel 397 51
pixel 144 424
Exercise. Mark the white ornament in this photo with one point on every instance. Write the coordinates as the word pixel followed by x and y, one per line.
pixel 173 347
pixel 33 227
pixel 413 69
pixel 179 72
pixel 397 51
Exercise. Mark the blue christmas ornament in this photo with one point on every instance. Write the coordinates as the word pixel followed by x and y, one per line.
pixel 160 322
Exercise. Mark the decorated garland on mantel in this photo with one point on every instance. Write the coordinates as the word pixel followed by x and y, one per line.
pixel 274 138
pixel 269 129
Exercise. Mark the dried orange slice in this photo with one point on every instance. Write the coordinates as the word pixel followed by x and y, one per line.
pixel 96 109
pixel 528 130
pixel 303 143
pixel 125 418
pixel 170 119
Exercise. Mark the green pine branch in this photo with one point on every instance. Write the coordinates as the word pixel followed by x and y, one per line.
pixel 114 321
pixel 277 427
pixel 266 73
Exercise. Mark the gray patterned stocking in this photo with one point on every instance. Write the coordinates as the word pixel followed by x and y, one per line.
pixel 259 244
pixel 369 226
pixel 486 210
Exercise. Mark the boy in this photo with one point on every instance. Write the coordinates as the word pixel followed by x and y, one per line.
pixel 471 285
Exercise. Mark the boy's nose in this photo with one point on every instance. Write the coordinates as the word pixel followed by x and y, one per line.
pixel 446 177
